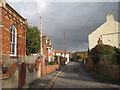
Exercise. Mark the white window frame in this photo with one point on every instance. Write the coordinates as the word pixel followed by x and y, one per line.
pixel 13 41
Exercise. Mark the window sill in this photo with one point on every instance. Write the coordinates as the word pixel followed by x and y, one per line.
pixel 13 57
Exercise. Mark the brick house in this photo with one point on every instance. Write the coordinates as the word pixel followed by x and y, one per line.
pixel 13 32
pixel 48 50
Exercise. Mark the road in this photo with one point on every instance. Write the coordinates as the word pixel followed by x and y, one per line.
pixel 75 76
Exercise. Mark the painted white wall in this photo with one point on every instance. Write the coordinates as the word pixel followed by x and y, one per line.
pixel 67 56
pixel 110 26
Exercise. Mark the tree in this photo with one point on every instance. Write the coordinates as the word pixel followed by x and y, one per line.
pixel 32 40
pixel 116 55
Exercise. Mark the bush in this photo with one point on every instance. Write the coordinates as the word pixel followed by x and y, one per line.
pixel 52 63
pixel 116 55
pixel 102 52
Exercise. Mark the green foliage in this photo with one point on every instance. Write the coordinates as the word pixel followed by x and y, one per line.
pixel 79 57
pixel 102 49
pixel 32 40
pixel 101 52
pixel 52 63
pixel 116 55
pixel 61 60
pixel 56 57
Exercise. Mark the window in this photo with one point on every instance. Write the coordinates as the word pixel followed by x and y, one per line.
pixel 13 41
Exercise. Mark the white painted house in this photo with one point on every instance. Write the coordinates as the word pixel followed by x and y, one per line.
pixel 62 53
pixel 108 32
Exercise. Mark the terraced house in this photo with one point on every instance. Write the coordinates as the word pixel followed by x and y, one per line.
pixel 48 50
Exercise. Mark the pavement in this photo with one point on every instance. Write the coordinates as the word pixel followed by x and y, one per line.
pixel 46 81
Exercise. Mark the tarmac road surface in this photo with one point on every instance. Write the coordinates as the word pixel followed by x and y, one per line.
pixel 75 76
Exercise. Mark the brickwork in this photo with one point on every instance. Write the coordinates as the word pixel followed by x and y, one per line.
pixel 111 71
pixel 11 17
pixel 46 69
pixel 51 68
pixel 47 49
pixel 32 71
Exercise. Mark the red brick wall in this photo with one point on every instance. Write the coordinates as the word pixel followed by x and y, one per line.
pixel 46 69
pixel 51 68
pixel 112 71
pixel 9 18
pixel 89 64
pixel 45 50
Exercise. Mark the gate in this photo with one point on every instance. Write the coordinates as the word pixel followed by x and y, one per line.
pixel 22 75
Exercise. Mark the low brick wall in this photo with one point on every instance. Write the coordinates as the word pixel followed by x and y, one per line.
pixel 51 68
pixel 90 65
pixel 11 82
pixel 43 71
pixel 26 72
pixel 112 71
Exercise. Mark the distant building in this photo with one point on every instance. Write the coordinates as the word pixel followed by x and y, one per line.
pixel 48 50
pixel 63 54
pixel 80 56
pixel 108 33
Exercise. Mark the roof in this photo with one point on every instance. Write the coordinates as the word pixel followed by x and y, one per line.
pixel 7 5
pixel 15 11
pixel 60 51
pixel 104 22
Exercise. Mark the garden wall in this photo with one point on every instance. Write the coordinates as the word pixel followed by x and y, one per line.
pixel 51 68
pixel 112 71
pixel 21 74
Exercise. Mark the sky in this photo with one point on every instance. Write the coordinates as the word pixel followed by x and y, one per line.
pixel 77 19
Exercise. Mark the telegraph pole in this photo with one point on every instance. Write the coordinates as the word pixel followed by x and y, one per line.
pixel 64 44
pixel 41 49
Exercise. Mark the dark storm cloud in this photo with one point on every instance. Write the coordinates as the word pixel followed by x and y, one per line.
pixel 76 19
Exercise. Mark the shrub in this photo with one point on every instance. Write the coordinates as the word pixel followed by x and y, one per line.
pixel 102 52
pixel 52 63
pixel 116 55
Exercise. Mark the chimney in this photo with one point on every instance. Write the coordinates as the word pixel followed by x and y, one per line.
pixel 100 42
pixel 110 17
pixel 2 3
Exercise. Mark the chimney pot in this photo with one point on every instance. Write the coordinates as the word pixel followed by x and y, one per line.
pixel 110 17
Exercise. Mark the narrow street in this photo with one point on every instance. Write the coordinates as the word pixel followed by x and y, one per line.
pixel 75 76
